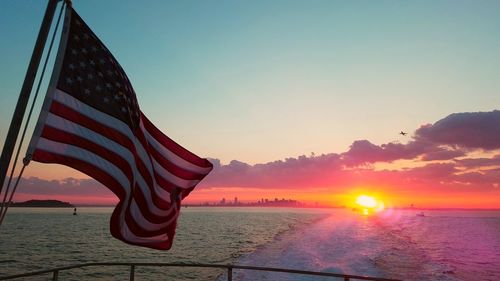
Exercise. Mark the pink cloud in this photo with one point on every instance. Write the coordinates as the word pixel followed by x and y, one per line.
pixel 364 152
pixel 488 177
pixel 68 186
pixel 440 153
pixel 479 162
pixel 300 171
pixel 433 172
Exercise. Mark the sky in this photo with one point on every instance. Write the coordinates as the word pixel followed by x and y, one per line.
pixel 298 99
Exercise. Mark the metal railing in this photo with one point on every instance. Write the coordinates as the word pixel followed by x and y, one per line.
pixel 228 267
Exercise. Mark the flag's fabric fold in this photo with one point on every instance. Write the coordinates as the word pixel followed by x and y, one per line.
pixel 91 122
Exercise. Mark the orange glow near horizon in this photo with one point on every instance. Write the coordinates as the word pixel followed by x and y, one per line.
pixel 390 197
pixel 310 197
pixel 76 200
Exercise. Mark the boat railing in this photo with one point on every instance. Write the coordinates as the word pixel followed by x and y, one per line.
pixel 228 267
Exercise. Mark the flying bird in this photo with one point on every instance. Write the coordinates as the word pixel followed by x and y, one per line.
pixel 403 133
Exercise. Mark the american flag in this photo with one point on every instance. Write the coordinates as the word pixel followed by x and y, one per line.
pixel 91 121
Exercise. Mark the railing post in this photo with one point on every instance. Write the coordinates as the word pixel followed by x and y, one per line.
pixel 132 272
pixel 346 278
pixel 55 275
pixel 229 273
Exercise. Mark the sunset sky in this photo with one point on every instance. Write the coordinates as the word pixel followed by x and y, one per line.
pixel 297 99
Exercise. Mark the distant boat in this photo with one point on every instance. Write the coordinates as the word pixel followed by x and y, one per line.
pixel 421 214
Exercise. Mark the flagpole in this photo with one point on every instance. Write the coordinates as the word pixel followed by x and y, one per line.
pixel 24 95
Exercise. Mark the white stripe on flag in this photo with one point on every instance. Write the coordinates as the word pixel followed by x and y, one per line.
pixel 172 178
pixel 174 158
pixel 86 156
pixel 144 223
pixel 76 129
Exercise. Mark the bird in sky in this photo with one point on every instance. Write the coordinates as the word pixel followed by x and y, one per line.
pixel 403 133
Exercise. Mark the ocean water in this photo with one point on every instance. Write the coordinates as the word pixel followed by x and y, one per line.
pixel 442 245
pixel 40 238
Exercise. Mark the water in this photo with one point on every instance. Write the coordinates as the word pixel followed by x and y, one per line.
pixel 443 245
pixel 40 238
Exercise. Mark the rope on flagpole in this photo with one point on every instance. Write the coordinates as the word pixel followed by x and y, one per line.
pixel 6 203
pixel 2 215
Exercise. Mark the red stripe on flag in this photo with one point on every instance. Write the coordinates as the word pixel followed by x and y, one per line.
pixel 68 138
pixel 139 231
pixel 173 146
pixel 172 168
pixel 143 206
pixel 86 168
pixel 76 117
pixel 108 132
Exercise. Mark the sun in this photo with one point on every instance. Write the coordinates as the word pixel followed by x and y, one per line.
pixel 366 201
pixel 369 204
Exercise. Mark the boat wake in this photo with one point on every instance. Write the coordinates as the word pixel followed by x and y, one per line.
pixel 348 244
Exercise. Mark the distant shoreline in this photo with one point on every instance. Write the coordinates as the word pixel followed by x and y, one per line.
pixel 42 204
pixel 62 204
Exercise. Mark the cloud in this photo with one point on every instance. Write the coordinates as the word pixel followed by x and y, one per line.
pixel 448 143
pixel 433 172
pixel 306 172
pixel 441 153
pixel 469 130
pixel 67 186
pixel 446 139
pixel 479 162
pixel 300 171
pixel 443 157
pixel 479 178
pixel 364 152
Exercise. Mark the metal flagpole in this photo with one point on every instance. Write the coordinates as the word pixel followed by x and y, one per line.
pixel 24 95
